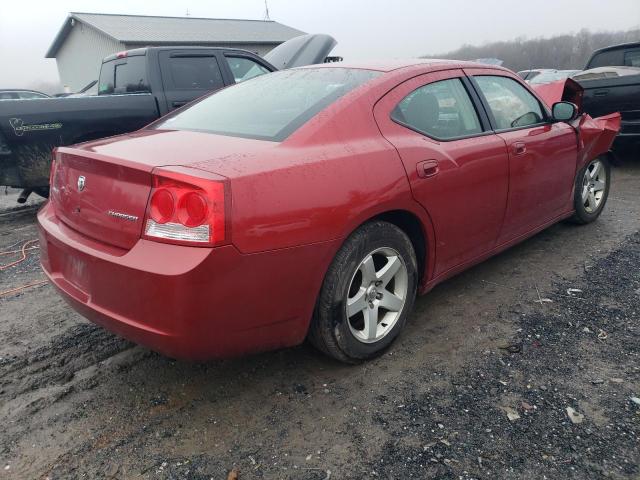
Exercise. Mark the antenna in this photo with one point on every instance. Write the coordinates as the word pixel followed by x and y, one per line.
pixel 187 14
pixel 266 11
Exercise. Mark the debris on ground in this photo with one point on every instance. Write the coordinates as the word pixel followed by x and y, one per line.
pixel 574 416
pixel 512 414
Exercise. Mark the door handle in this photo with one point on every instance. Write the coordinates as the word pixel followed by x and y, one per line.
pixel 519 148
pixel 600 93
pixel 427 168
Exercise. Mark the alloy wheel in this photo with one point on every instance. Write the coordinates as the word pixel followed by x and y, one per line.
pixel 376 295
pixel 594 183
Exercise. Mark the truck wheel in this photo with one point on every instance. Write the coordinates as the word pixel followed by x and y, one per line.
pixel 367 294
pixel 591 191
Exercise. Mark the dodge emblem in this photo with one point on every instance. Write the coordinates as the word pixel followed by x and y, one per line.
pixel 81 182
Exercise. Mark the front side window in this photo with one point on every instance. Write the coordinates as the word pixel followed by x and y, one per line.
pixel 195 73
pixel 243 68
pixel 268 107
pixel 441 110
pixel 511 104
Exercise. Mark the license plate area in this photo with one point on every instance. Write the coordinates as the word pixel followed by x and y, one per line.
pixel 74 270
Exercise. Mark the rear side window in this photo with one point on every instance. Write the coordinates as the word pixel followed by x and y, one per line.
pixel 243 68
pixel 511 104
pixel 442 110
pixel 268 107
pixel 195 73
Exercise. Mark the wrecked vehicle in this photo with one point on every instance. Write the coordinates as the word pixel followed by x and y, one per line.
pixel 313 203
pixel 611 83
pixel 135 87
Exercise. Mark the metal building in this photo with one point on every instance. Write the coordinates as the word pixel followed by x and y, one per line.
pixel 86 38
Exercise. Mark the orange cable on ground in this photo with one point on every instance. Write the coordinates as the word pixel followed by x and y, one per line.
pixel 28 285
pixel 10 252
pixel 23 250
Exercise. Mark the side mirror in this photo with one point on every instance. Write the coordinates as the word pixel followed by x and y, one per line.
pixel 564 111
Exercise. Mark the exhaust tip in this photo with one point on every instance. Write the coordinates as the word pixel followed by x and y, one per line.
pixel 24 195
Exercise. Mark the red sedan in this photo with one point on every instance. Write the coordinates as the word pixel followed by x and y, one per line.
pixel 313 202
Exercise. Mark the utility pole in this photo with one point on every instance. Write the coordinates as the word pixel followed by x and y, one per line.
pixel 266 12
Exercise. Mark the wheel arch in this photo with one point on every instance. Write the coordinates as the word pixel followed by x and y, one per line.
pixel 416 223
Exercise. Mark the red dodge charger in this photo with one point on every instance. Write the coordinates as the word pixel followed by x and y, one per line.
pixel 313 203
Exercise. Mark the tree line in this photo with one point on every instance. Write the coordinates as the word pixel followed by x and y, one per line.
pixel 562 52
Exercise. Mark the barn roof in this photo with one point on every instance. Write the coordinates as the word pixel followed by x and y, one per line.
pixel 150 30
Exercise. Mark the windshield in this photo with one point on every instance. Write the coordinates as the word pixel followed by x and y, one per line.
pixel 268 107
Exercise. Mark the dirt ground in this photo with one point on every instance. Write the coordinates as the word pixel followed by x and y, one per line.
pixel 478 385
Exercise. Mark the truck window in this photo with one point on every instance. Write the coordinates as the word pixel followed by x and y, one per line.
pixel 195 73
pixel 107 74
pixel 131 76
pixel 632 58
pixel 244 68
pixel 606 59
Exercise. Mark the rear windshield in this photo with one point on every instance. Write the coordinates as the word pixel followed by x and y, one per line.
pixel 268 107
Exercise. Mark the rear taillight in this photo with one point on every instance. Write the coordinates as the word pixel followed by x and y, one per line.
pixel 185 209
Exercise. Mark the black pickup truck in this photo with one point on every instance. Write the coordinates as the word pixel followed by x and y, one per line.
pixel 611 83
pixel 134 88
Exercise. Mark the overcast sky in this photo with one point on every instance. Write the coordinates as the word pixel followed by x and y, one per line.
pixel 364 28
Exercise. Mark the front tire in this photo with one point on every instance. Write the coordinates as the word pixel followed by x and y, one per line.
pixel 367 294
pixel 591 191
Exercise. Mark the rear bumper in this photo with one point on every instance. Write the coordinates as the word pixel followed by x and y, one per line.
pixel 186 302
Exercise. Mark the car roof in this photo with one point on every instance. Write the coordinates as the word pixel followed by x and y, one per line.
pixel 20 90
pixel 396 64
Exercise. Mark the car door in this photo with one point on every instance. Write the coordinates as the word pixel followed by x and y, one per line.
pixel 542 153
pixel 457 167
pixel 189 74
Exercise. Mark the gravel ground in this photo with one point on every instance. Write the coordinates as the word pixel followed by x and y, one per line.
pixel 478 386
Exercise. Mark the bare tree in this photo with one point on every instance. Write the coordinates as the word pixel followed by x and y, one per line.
pixel 561 52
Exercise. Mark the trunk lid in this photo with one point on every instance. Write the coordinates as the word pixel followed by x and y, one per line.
pixel 101 197
pixel 117 176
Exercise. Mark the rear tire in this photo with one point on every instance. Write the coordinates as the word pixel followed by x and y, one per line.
pixel 367 294
pixel 591 191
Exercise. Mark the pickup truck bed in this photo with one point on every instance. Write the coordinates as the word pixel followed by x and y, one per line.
pixel 29 134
